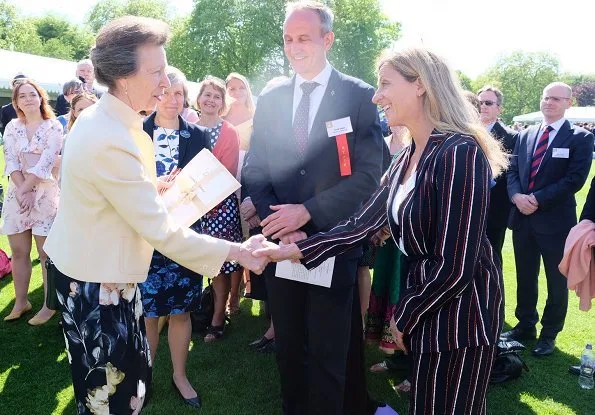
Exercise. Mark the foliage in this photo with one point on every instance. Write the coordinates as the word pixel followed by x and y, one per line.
pixel 466 82
pixel 106 10
pixel 521 76
pixel 584 94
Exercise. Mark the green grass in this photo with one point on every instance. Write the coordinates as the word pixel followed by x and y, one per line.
pixel 35 376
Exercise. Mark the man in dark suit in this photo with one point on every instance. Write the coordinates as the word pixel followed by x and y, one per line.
pixel 304 178
pixel 550 164
pixel 85 73
pixel 491 100
pixel 7 112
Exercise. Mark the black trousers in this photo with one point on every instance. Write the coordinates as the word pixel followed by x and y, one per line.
pixel 496 231
pixel 313 335
pixel 529 249
pixel 453 382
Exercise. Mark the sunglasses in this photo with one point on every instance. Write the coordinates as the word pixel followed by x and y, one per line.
pixel 488 103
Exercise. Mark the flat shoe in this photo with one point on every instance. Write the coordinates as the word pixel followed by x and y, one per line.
pixel 15 315
pixel 38 321
pixel 192 402
pixel 257 344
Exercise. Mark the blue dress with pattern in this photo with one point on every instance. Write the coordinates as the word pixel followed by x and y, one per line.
pixel 170 288
pixel 223 221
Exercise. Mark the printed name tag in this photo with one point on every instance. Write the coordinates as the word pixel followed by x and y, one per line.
pixel 338 127
pixel 560 153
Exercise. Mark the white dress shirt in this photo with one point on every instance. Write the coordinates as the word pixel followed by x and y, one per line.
pixel 315 97
pixel 556 127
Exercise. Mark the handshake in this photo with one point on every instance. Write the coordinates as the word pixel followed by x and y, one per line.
pixel 257 252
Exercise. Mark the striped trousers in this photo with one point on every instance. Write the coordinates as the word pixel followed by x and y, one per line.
pixel 452 382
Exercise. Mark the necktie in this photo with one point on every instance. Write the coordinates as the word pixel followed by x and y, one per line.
pixel 302 114
pixel 538 155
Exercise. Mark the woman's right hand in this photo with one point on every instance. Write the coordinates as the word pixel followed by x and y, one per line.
pixel 25 201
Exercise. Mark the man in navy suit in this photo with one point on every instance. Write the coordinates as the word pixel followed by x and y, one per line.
pixel 550 164
pixel 304 178
pixel 491 100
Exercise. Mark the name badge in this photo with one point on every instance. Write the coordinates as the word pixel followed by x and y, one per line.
pixel 560 153
pixel 338 127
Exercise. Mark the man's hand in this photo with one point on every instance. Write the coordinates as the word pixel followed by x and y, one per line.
pixel 398 336
pixel 278 253
pixel 285 219
pixel 244 254
pixel 249 214
pixel 293 237
pixel 526 204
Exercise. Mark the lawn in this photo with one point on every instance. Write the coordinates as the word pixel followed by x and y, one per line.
pixel 35 377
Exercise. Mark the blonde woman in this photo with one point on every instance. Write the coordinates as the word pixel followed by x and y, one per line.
pixel 77 105
pixel 434 198
pixel 32 143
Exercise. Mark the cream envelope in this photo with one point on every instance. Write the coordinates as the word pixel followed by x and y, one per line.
pixel 198 188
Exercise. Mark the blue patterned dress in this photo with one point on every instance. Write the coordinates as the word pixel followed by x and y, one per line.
pixel 170 288
pixel 223 221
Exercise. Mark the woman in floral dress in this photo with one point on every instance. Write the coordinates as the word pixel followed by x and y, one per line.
pixel 32 143
pixel 224 220
pixel 171 289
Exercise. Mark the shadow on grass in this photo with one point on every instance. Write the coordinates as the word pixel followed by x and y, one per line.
pixel 34 363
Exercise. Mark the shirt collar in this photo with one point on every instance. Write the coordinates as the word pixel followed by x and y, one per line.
pixel 322 78
pixel 555 125
pixel 490 127
pixel 120 111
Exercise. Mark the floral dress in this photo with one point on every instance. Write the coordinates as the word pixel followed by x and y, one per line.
pixel 169 288
pixel 223 221
pixel 37 156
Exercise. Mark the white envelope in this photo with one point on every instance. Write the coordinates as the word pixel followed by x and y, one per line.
pixel 198 188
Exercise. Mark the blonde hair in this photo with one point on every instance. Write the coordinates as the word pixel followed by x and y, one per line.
pixel 218 85
pixel 444 102
pixel 78 97
pixel 249 101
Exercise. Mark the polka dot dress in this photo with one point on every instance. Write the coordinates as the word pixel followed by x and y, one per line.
pixel 223 221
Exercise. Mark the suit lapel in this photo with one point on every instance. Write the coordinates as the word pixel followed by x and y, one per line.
pixel 327 105
pixel 561 136
pixel 532 135
pixel 185 138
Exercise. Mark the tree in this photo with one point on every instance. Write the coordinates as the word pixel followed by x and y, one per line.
pixel 521 76
pixel 106 10
pixel 584 94
pixel 466 82
pixel 61 39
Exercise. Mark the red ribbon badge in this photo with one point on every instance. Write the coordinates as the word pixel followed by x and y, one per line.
pixel 343 151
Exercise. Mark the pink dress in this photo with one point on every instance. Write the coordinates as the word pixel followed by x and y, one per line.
pixel 47 143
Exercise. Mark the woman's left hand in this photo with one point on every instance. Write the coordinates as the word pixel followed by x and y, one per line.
pixel 25 200
pixel 165 182
pixel 398 336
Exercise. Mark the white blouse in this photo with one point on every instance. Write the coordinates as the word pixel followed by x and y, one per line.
pixel 402 192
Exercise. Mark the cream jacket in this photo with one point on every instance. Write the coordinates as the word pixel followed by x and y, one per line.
pixel 110 216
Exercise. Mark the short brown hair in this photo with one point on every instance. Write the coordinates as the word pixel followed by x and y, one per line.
pixel 44 107
pixel 75 100
pixel 114 54
pixel 496 91
pixel 472 98
pixel 217 84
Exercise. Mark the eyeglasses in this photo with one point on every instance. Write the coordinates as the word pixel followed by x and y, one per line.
pixel 488 103
pixel 553 99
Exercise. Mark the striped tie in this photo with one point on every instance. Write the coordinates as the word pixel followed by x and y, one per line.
pixel 538 155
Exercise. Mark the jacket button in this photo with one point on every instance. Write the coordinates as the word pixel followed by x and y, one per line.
pixel 303 172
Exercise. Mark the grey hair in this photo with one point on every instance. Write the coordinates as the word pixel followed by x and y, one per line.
pixel 114 55
pixel 73 84
pixel 324 12
pixel 177 77
pixel 496 91
pixel 84 62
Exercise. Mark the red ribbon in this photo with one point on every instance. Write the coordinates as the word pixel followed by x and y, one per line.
pixel 343 151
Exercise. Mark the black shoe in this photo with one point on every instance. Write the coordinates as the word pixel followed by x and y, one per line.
pixel 574 370
pixel 519 334
pixel 263 341
pixel 192 402
pixel 545 347
pixel 270 347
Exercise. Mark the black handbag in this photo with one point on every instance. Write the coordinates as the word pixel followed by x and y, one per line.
pixel 51 299
pixel 201 318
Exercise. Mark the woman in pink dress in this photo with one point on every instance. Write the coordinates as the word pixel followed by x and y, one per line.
pixel 32 143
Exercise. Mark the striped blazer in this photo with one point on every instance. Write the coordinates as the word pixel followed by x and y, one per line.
pixel 454 291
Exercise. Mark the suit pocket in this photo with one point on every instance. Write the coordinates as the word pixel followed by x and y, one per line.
pixel 132 260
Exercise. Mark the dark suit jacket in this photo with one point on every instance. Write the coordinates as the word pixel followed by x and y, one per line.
pixel 189 147
pixel 62 106
pixel 7 114
pixel 454 289
pixel 275 173
pixel 500 204
pixel 557 180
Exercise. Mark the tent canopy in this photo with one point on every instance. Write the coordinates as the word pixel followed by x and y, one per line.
pixel 573 114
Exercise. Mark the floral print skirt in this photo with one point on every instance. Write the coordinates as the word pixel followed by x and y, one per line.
pixel 106 343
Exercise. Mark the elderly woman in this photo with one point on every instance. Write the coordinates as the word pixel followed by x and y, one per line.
pixel 176 142
pixel 69 91
pixel 434 198
pixel 32 143
pixel 223 221
pixel 111 219
pixel 240 114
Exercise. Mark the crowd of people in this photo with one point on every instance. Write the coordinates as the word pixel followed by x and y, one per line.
pixel 426 206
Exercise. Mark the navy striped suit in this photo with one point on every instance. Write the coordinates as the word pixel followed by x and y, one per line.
pixel 451 311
